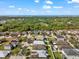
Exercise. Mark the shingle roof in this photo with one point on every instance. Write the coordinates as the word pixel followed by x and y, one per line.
pixel 41 53
pixel 71 52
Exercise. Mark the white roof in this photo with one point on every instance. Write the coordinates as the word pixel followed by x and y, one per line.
pixel 38 42
pixel 4 53
pixel 41 53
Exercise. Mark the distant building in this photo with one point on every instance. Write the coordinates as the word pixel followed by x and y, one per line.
pixel 37 45
pixel 60 37
pixel 70 54
pixel 62 44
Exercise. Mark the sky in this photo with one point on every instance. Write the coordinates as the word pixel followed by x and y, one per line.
pixel 39 7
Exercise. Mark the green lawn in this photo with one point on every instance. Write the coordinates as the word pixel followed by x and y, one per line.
pixel 50 52
pixel 1 47
pixel 58 55
pixel 16 51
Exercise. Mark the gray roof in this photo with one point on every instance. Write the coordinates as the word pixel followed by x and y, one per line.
pixel 4 53
pixel 71 52
pixel 41 53
pixel 38 42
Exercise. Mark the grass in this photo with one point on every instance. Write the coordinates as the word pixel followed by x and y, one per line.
pixel 58 55
pixel 50 52
pixel 1 47
pixel 16 51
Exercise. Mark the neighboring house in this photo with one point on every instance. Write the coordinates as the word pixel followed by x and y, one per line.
pixel 14 44
pixel 8 47
pixel 29 40
pixel 24 44
pixel 39 37
pixel 17 57
pixel 3 54
pixel 62 44
pixel 38 54
pixel 70 54
pixel 14 34
pixel 60 37
pixel 38 45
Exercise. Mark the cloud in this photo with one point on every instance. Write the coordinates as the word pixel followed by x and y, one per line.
pixel 73 1
pixel 27 10
pixel 49 2
pixel 47 7
pixel 76 6
pixel 19 8
pixel 11 6
pixel 37 1
pixel 48 11
pixel 57 6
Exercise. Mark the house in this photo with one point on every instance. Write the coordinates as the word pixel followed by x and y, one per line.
pixel 37 45
pixel 8 47
pixel 17 57
pixel 24 44
pixel 36 42
pixel 39 37
pixel 38 54
pixel 29 40
pixel 3 54
pixel 70 54
pixel 14 34
pixel 60 37
pixel 62 44
pixel 14 43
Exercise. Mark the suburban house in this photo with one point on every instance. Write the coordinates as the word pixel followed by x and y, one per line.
pixel 38 45
pixel 24 44
pixel 8 47
pixel 14 43
pixel 70 54
pixel 3 54
pixel 62 44
pixel 38 54
pixel 60 37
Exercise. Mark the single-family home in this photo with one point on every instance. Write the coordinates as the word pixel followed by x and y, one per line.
pixel 37 45
pixel 60 37
pixel 38 54
pixel 3 54
pixel 70 54
pixel 8 47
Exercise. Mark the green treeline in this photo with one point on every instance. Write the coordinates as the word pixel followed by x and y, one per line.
pixel 38 23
